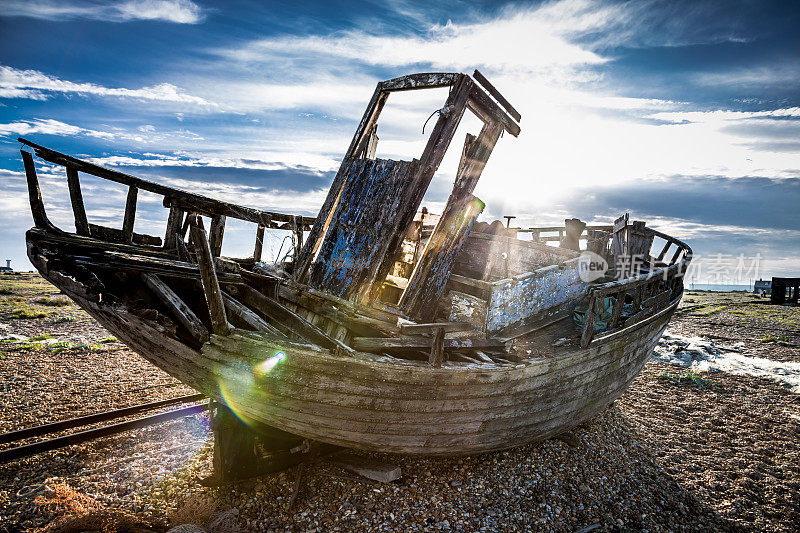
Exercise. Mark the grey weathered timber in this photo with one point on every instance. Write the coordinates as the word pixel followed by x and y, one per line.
pixel 174 226
pixel 130 215
pixel 380 344
pixel 208 275
pixel 34 193
pixel 76 198
pixel 432 272
pixel 259 242
pixel 172 197
pixel 177 306
pixel 215 234
pixel 480 78
pixel 244 314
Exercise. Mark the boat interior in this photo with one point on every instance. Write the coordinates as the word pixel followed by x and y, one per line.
pixel 373 272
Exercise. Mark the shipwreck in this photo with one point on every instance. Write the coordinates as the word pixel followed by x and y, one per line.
pixel 388 328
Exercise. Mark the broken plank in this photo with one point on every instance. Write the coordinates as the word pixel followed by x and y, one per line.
pixel 208 276
pixel 76 199
pixel 244 314
pixel 393 344
pixel 177 306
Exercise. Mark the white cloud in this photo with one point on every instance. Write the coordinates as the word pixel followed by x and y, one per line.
pixel 725 115
pixel 177 11
pixel 16 83
pixel 56 127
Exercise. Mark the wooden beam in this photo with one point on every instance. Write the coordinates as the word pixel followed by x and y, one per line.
pixel 257 250
pixel 76 198
pixel 425 80
pixel 34 193
pixel 177 306
pixel 174 225
pixel 208 276
pixel 480 78
pixel 422 329
pixel 395 344
pixel 130 215
pixel 216 233
pixel 244 314
pixel 281 314
pixel 172 197
pixel 437 348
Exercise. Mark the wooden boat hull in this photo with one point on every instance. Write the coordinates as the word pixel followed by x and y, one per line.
pixel 364 403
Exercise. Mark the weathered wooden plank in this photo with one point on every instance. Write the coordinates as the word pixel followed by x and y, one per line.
pixel 257 250
pixel 359 227
pixel 432 272
pixel 208 276
pixel 76 199
pixel 394 344
pixel 588 326
pixel 488 111
pixel 34 193
pixel 115 235
pixel 130 214
pixel 216 233
pixel 174 225
pixel 424 80
pixel 283 315
pixel 173 197
pixel 480 78
pixel 240 311
pixel 422 329
pixel 437 348
pixel 178 308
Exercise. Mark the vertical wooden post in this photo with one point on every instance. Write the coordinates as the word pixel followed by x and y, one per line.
pixel 76 198
pixel 216 232
pixel 130 214
pixel 619 302
pixel 34 193
pixel 174 225
pixel 213 294
pixel 588 325
pixel 259 243
pixel 437 348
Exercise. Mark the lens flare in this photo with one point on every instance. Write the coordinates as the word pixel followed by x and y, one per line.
pixel 239 386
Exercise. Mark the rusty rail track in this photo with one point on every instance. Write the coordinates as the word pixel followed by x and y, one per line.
pixel 26 450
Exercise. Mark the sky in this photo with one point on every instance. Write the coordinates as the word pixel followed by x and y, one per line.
pixel 685 114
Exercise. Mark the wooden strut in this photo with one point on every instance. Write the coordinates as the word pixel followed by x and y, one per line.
pixel 208 276
pixel 76 198
pixel 179 309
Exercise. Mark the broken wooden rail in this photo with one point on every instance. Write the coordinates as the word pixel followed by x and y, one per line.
pixel 649 292
pixel 180 203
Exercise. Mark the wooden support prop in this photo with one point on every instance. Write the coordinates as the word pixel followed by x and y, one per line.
pixel 368 468
pixel 259 243
pixel 394 344
pixel 664 251
pixel 182 249
pixel 34 193
pixel 213 294
pixel 216 233
pixel 76 198
pixel 437 348
pixel 244 314
pixel 130 215
pixel 177 306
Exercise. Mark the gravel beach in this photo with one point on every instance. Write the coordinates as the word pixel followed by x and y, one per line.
pixel 679 451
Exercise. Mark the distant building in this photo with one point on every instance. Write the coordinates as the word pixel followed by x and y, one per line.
pixel 762 287
pixel 785 290
pixel 6 269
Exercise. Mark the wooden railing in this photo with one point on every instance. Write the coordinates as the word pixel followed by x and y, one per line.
pixel 649 292
pixel 539 234
pixel 181 204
